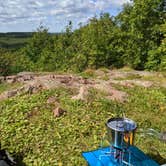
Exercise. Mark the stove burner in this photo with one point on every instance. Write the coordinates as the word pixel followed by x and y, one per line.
pixel 117 155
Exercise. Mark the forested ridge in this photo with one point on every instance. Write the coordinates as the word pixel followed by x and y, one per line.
pixel 136 37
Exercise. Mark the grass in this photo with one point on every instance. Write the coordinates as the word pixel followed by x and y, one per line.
pixel 126 69
pixel 29 130
pixel 7 86
pixel 148 109
pixel 158 77
pixel 129 77
pixel 88 73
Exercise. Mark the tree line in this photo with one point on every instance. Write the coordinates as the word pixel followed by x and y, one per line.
pixel 136 37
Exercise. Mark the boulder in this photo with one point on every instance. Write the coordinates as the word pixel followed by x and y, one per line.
pixel 58 112
pixel 82 95
pixel 11 79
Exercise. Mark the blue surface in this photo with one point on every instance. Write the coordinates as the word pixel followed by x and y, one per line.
pixel 98 158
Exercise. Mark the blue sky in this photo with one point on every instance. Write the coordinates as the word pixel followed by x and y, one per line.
pixel 26 15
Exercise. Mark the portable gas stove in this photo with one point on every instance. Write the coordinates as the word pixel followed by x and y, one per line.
pixel 121 152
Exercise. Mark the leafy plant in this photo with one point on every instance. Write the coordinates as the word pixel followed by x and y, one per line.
pixel 29 128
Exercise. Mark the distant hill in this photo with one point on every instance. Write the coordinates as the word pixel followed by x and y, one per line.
pixel 14 40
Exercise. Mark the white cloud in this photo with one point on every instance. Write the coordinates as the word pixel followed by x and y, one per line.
pixel 19 11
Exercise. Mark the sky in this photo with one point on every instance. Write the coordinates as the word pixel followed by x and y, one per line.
pixel 27 15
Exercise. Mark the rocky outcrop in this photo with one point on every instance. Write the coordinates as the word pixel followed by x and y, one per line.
pixel 11 79
pixel 21 77
pixel 29 88
pixel 33 83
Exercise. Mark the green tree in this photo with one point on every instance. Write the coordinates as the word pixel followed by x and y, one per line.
pixel 40 40
pixel 93 41
pixel 157 57
pixel 13 62
pixel 140 21
pixel 5 63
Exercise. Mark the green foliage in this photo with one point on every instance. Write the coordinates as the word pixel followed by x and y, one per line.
pixel 5 63
pixel 140 24
pixel 37 43
pixel 157 57
pixel 29 128
pixel 59 140
pixel 88 73
pixel 13 62
pixel 134 38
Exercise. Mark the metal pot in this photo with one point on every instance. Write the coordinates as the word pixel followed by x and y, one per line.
pixel 120 132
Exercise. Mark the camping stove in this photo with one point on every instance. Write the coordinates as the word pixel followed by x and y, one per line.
pixel 120 135
pixel 118 157
pixel 121 152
